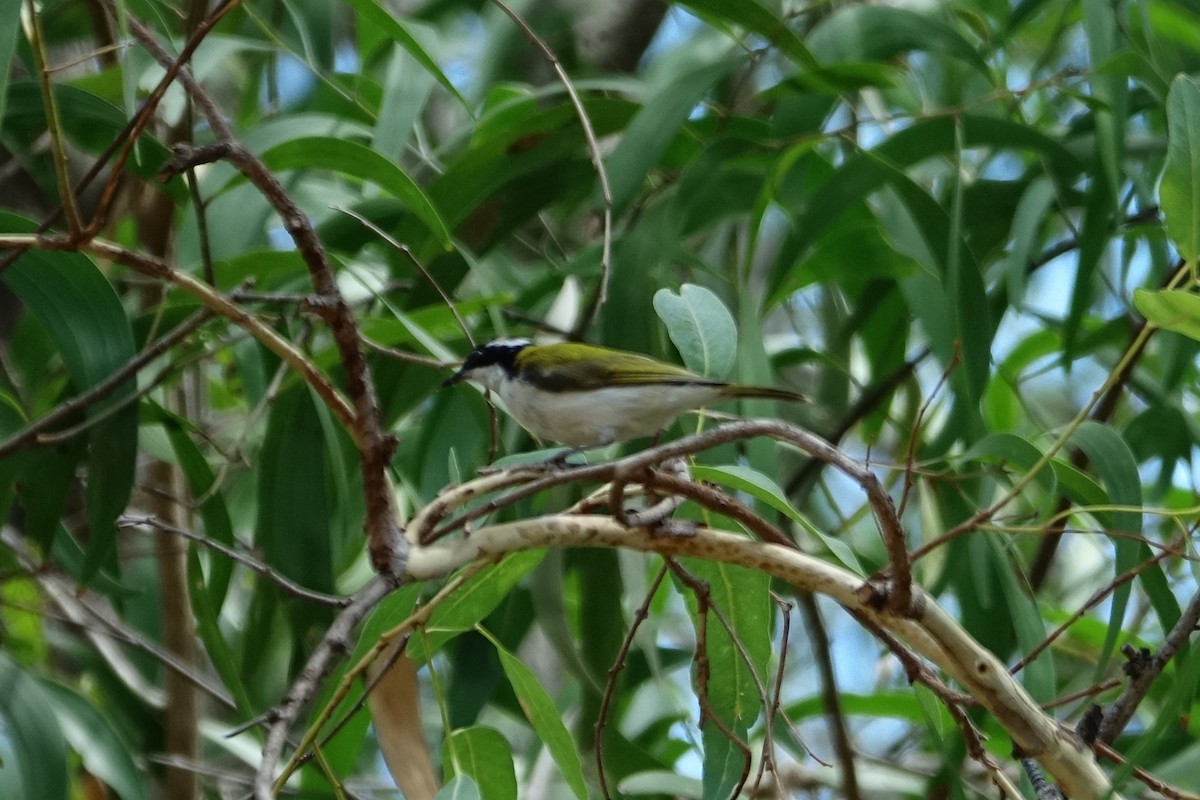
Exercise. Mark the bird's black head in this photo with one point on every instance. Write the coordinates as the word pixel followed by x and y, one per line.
pixel 502 352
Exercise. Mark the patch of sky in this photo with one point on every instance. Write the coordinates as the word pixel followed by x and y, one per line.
pixel 294 81
pixel 466 44
pixel 802 307
pixel 678 26
pixel 280 239
pixel 1048 291
pixel 1002 166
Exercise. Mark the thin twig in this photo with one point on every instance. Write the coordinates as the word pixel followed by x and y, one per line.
pixel 28 435
pixel 1096 598
pixel 61 168
pixel 173 68
pixel 407 252
pixel 332 647
pixel 245 559
pixel 700 590
pixel 1157 786
pixel 831 698
pixel 103 627
pixel 215 301
pixel 601 295
pixel 639 616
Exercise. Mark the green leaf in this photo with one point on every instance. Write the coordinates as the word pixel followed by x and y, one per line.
pixel 467 606
pixel 754 15
pixel 647 136
pixel 200 477
pixel 94 737
pixel 875 33
pixel 361 162
pixel 1114 462
pixel 544 717
pixel 295 504
pixel 868 171
pixel 1039 675
pixel 933 712
pixel 701 327
pixel 32 731
pixel 477 598
pixel 1026 234
pixel 1102 28
pixel 371 12
pixel 85 318
pixel 10 27
pixel 1008 448
pixel 461 787
pixel 724 763
pixel 761 487
pixel 11 421
pixel 737 670
pixel 1171 309
pixel 88 121
pixel 482 754
pixel 208 626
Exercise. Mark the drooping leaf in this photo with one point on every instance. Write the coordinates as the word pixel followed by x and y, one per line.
pixel 545 718
pixel 295 507
pixel 33 733
pixel 372 12
pixel 1115 463
pixel 1179 191
pixel 85 318
pixel 10 27
pixel 647 136
pixel 756 16
pixel 880 32
pixel 361 162
pixel 97 740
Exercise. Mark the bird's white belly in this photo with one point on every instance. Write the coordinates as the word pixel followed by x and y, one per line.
pixel 601 416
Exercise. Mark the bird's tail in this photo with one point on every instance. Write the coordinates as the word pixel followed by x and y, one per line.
pixel 765 392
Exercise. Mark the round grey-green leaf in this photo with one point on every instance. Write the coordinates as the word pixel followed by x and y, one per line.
pixel 701 327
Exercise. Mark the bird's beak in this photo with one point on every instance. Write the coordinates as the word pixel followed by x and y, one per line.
pixel 453 379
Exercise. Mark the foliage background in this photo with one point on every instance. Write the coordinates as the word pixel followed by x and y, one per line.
pixel 932 217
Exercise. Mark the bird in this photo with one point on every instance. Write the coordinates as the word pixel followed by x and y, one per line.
pixel 585 396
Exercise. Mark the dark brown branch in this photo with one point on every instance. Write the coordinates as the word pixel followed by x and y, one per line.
pixel 333 646
pixel 831 698
pixel 1123 709
pixel 704 604
pixel 624 41
pixel 716 500
pixel 610 685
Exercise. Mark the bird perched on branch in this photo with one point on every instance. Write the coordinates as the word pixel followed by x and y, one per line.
pixel 585 396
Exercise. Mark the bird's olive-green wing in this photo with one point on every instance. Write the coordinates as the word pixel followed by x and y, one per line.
pixel 573 367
